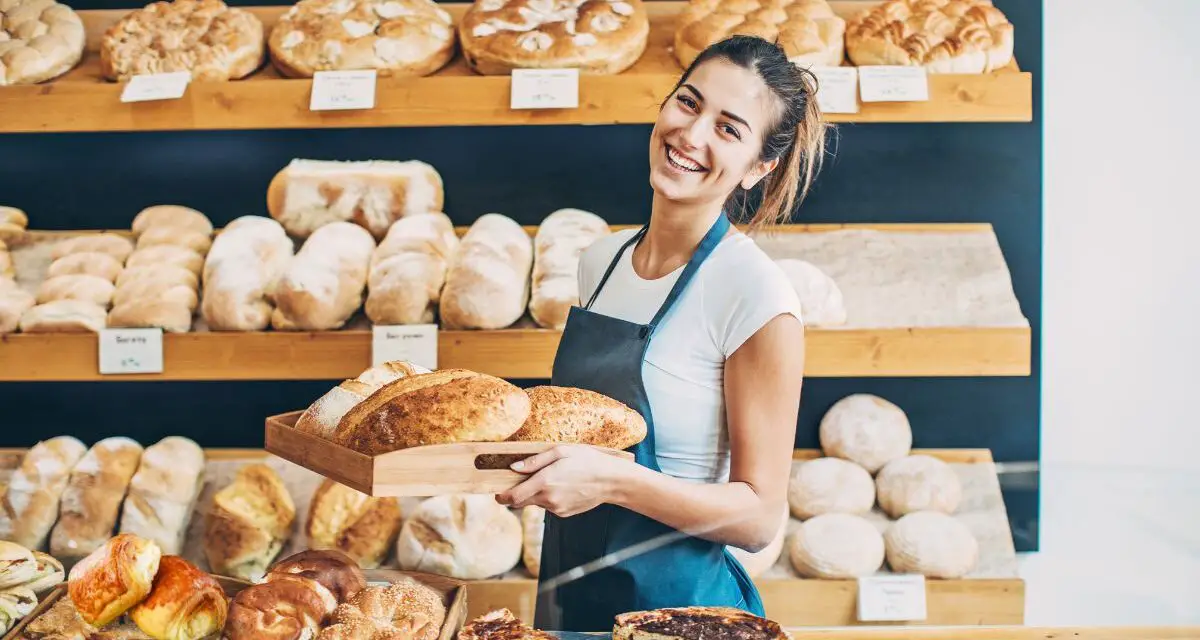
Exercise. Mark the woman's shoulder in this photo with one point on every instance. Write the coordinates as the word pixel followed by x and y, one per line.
pixel 744 289
pixel 742 261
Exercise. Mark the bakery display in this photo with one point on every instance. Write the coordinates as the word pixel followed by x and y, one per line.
pixel 322 417
pixel 487 285
pixel 947 36
pixel 821 300
pixel 361 526
pixel 809 31
pixel 91 501
pixel 308 194
pixel 918 483
pixel 931 543
pixel 163 493
pixel 470 537
pixel 404 609
pixel 240 272
pixel 113 578
pixel 596 36
pixel 30 503
pixel 207 38
pixel 865 429
pixel 561 238
pixel 39 41
pixel 687 623
pixel 160 284
pixel 408 269
pixel 829 485
pixel 248 522
pixel 501 624
pixel 836 546
pixel 322 286
pixel 579 416
pixel 184 603
pixel 394 37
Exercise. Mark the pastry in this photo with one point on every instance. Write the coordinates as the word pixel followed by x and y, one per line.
pixel 64 316
pixel 91 503
pixel 487 285
pixel 15 603
pixel 836 546
pixel 559 241
pixel 865 429
pixel 92 263
pixel 467 536
pixel 17 565
pixel 408 269
pixel 931 543
pixel 39 41
pixel 918 483
pixel 113 578
pixel 163 492
pixel 322 286
pixel 809 32
pixel 333 570
pixel 30 503
pixel 184 603
pixel 248 522
pixel 172 217
pixel 361 526
pixel 240 271
pixel 404 609
pixel 595 36
pixel 207 38
pixel 944 36
pixel 689 623
pixel 579 416
pixel 830 485
pixel 821 301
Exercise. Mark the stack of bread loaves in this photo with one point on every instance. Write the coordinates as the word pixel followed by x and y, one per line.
pixel 78 289
pixel 323 285
pixel 240 273
pixel 14 301
pixel 408 269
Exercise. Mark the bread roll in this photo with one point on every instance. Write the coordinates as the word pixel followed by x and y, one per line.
pixel 309 194
pixel 163 492
pixel 836 546
pixel 93 289
pixel 173 236
pixel 866 429
pixel 561 238
pixel 30 503
pixel 451 405
pixel 162 254
pixel 113 578
pixel 487 285
pixel 248 523
pixel 157 290
pixel 166 274
pixel 17 565
pixel 64 316
pixel 323 285
pixel 830 485
pixel 279 610
pixel 404 609
pixel 185 603
pixel 931 543
pixel 172 217
pixel 408 269
pixel 240 273
pixel 14 302
pixel 918 483
pixel 13 216
pixel 361 526
pixel 333 570
pixel 91 263
pixel 579 416
pixel 321 418
pixel 168 316
pixel 93 497
pixel 117 246
pixel 469 537
pixel 7 269
pixel 533 527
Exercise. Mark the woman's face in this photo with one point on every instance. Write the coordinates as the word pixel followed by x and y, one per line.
pixel 708 138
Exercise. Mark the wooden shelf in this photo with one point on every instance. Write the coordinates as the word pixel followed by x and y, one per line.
pixel 83 101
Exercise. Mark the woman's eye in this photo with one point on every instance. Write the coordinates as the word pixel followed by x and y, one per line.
pixel 731 130
pixel 688 102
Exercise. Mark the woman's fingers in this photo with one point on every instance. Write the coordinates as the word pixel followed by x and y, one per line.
pixel 520 495
pixel 537 462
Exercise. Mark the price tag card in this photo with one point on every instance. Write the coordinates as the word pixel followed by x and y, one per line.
pixel 343 90
pixel 415 343
pixel 893 84
pixel 898 598
pixel 545 89
pixel 156 86
pixel 837 89
pixel 131 351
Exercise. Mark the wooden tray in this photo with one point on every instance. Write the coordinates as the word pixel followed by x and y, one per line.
pixel 470 467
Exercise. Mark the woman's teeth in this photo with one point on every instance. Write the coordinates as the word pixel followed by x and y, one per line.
pixel 681 162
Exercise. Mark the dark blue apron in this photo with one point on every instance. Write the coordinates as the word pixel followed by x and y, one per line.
pixel 655 566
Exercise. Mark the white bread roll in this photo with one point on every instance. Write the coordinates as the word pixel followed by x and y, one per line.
pixel 918 483
pixel 408 269
pixel 322 286
pixel 166 273
pixel 92 263
pixel 240 272
pixel 469 537
pixel 487 285
pixel 163 289
pixel 93 289
pixel 175 236
pixel 560 239
pixel 149 313
pixel 932 544
pixel 163 493
pixel 830 485
pixel 171 216
pixel 64 316
pixel 865 429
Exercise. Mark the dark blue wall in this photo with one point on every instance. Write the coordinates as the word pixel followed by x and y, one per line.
pixel 882 173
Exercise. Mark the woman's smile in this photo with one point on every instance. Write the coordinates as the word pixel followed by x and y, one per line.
pixel 680 162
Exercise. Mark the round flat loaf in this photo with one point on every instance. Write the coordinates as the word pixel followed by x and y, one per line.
pixel 205 37
pixel 821 300
pixel 394 37
pixel 866 429
pixel 944 36
pixel 836 546
pixel 931 543
pixel 39 41
pixel 595 36
pixel 469 537
pixel 830 485
pixel 579 416
pixel 173 216
pixel 808 30
pixel 918 483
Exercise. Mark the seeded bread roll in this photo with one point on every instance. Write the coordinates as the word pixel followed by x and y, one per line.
pixel 579 416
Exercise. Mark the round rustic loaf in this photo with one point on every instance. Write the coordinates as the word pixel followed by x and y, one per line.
pixel 866 429
pixel 931 543
pixel 836 546
pixel 808 30
pixel 830 485
pixel 464 536
pixel 759 562
pixel 821 301
pixel 918 483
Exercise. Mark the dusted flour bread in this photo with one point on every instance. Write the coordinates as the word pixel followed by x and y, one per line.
pixel 361 526
pixel 830 485
pixel 64 316
pixel 240 272
pixel 408 269
pixel 321 418
pixel 39 41
pixel 559 241
pixel 308 194
pixel 466 536
pixel 248 523
pixel 171 216
pixel 931 543
pixel 579 416
pixel 14 302
pixel 205 37
pixel 533 527
pixel 866 429
pixel 918 483
pixel 394 37
pixel 163 493
pixel 404 609
pixel 113 578
pixel 595 36
pixel 689 623
pixel 821 300
pixel 117 246
pixel 30 502
pixel 836 546
pixel 91 263
pixel 487 285
pixel 758 562
pixel 322 286
pixel 944 36
pixel 185 603
pixel 92 500
pixel 809 32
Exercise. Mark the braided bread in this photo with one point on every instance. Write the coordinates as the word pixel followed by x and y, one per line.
pixel 944 36
pixel 39 40
pixel 808 30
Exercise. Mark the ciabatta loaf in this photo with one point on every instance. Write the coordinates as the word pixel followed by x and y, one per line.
pixel 171 216
pixel 163 492
pixel 240 273
pixel 322 286
pixel 322 417
pixel 560 239
pixel 579 416
pixel 308 194
pixel 408 269
pixel 451 405
pixel 690 623
pixel 487 285
pixel 92 500
pixel 29 507
pixel 361 526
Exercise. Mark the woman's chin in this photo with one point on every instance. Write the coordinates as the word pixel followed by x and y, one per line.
pixel 671 188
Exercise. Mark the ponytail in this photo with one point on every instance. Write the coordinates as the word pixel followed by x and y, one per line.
pixel 789 184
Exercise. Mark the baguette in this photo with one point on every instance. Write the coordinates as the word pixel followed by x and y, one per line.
pixel 408 269
pixel 117 246
pixel 173 217
pixel 560 240
pixel 321 418
pixel 163 493
pixel 322 287
pixel 487 284
pixel 248 523
pixel 64 316
pixel 92 263
pixel 240 273
pixel 93 289
pixel 30 503
pixel 93 497
pixel 579 416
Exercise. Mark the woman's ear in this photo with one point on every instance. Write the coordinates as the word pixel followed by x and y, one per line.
pixel 758 172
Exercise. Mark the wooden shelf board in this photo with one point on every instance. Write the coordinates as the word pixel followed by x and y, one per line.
pixel 83 101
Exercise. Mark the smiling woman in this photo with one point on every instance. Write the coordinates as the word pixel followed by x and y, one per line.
pixel 689 323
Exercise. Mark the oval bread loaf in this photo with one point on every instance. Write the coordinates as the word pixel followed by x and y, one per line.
pixel 931 543
pixel 918 483
pixel 117 246
pixel 487 285
pixel 408 269
pixel 321 418
pixel 560 240
pixel 91 263
pixel 836 546
pixel 64 316
pixel 469 537
pixel 160 254
pixel 579 416
pixel 322 286
pixel 175 236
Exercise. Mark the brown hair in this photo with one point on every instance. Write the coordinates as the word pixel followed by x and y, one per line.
pixel 797 137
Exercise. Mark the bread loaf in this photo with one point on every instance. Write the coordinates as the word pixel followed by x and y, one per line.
pixel 408 269
pixel 113 578
pixel 403 609
pixel 149 313
pixel 162 290
pixel 932 544
pixel 533 528
pixel 322 286
pixel 321 418
pixel 185 603
pixel 64 316
pixel 469 537
pixel 560 240
pixel 821 300
pixel 918 483
pixel 836 546
pixel 195 241
pixel 451 405
pixel 830 485
pixel 248 523
pixel 487 285
pixel 309 194
pixel 579 416
pixel 163 493
pixel 93 289
pixel 240 273
pixel 866 429
pixel 30 503
pixel 91 263
pixel 389 371
pixel 166 254
pixel 117 246
pixel 172 217
pixel 361 526
pixel 14 302
pixel 93 497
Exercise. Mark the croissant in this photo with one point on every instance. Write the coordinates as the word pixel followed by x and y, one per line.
pixel 185 603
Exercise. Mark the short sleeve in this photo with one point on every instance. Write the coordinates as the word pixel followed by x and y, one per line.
pixel 743 300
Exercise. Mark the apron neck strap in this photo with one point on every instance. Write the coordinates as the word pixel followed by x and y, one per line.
pixel 711 239
pixel 613 264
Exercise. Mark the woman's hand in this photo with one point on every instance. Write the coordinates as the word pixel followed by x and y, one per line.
pixel 567 480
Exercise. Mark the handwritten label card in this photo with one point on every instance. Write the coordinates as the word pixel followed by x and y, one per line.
pixel 837 89
pixel 415 343
pixel 893 84
pixel 898 598
pixel 343 90
pixel 156 86
pixel 131 351
pixel 545 89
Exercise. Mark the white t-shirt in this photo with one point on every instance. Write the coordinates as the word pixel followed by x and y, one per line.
pixel 736 291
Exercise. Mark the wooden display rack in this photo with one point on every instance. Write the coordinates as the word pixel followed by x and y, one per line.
pixel 83 101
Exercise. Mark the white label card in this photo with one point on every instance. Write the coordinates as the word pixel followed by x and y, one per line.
pixel 893 84
pixel 131 351
pixel 545 89
pixel 343 90
pixel 415 343
pixel 898 598
pixel 156 86
pixel 837 89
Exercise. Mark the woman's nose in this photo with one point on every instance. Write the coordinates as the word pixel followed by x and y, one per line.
pixel 693 133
